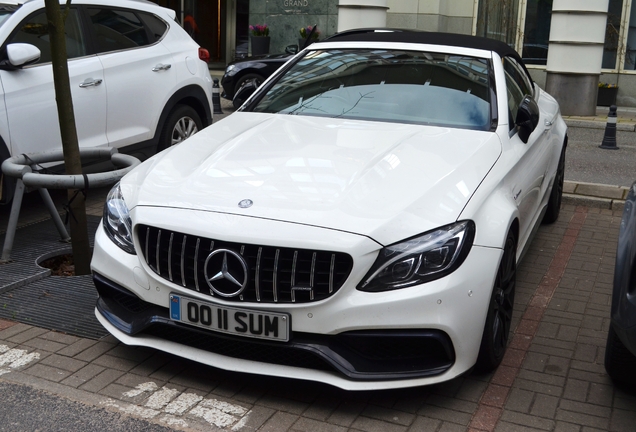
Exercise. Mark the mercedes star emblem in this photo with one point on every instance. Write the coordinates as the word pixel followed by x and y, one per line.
pixel 246 203
pixel 226 272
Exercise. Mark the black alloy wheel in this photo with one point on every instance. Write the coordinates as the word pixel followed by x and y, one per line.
pixel 255 78
pixel 498 321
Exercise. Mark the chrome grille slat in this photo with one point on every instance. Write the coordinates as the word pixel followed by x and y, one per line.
pixel 293 277
pixel 257 277
pixel 196 265
pixel 274 277
pixel 157 252
pixel 183 246
pixel 170 257
pixel 331 267
pixel 274 274
pixel 311 276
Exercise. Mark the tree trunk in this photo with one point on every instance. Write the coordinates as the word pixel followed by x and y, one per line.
pixel 70 145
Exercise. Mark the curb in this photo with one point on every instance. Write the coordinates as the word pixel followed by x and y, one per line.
pixel 599 124
pixel 595 195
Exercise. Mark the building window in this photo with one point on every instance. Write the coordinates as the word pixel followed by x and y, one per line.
pixel 630 50
pixel 537 32
pixel 497 19
pixel 612 33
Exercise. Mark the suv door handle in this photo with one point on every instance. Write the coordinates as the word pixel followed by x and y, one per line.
pixel 89 82
pixel 161 67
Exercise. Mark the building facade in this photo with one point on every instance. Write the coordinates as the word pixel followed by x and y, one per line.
pixel 223 28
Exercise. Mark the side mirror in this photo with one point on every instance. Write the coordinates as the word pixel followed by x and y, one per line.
pixel 527 118
pixel 22 54
pixel 243 93
pixel 291 49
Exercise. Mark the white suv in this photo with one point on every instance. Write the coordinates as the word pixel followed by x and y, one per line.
pixel 136 76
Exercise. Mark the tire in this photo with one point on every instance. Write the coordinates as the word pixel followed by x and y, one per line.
pixel 182 123
pixel 499 318
pixel 554 202
pixel 620 363
pixel 245 78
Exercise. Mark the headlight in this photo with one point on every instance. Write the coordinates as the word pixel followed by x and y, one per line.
pixel 230 68
pixel 116 220
pixel 420 259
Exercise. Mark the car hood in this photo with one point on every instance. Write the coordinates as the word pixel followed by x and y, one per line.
pixel 383 180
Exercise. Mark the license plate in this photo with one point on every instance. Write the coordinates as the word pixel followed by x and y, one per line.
pixel 235 321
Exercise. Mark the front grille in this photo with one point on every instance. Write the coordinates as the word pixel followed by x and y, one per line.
pixel 271 274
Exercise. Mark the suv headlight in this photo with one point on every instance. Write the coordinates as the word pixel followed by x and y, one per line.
pixel 420 259
pixel 116 220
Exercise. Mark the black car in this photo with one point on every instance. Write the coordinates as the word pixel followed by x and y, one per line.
pixel 620 352
pixel 255 69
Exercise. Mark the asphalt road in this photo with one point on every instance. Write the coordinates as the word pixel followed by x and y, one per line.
pixel 586 162
pixel 27 409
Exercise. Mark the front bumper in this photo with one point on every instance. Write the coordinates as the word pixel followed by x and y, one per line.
pixel 353 340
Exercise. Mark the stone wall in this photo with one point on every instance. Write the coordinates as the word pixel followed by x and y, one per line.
pixel 431 15
pixel 285 18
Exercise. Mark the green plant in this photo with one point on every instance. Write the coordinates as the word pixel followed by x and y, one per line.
pixel 607 85
pixel 259 30
pixel 305 31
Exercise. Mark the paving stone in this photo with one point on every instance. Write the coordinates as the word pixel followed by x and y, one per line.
pixel 101 380
pixel 310 425
pixel 26 335
pixel 47 372
pixel 94 351
pixel 83 375
pixel 388 415
pixel 527 420
pixel 60 337
pixel 519 400
pixel 280 421
pixel 445 414
pixel 44 344
pixel 425 424
pixel 582 419
pixel 282 404
pixel 14 330
pixel 62 362
pixel 77 347
pixel 544 406
pixel 372 425
pixel 112 362
pixel 346 413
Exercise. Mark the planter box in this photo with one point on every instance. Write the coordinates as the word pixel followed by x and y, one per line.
pixel 606 96
pixel 260 45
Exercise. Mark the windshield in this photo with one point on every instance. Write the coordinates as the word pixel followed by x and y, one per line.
pixel 385 85
pixel 6 11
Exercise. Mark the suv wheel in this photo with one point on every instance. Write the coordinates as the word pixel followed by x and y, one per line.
pixel 182 123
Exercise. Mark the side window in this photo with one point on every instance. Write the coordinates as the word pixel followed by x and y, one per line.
pixel 35 31
pixel 518 75
pixel 117 29
pixel 515 97
pixel 155 25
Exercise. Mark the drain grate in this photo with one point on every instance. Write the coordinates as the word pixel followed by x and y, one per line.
pixel 30 296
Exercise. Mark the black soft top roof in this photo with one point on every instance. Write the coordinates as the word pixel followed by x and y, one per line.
pixel 433 38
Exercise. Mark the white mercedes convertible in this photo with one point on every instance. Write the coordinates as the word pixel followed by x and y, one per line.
pixel 358 221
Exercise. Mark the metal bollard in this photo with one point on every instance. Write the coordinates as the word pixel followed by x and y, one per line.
pixel 609 139
pixel 216 97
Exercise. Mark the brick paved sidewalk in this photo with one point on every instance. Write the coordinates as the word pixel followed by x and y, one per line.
pixel 552 378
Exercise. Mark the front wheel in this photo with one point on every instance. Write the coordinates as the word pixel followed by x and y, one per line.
pixel 499 318
pixel 182 123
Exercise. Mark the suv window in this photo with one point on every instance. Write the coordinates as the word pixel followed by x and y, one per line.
pixel 117 29
pixel 35 31
pixel 155 25
pixel 385 85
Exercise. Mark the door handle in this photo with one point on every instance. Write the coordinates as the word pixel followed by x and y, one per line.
pixel 161 67
pixel 89 82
